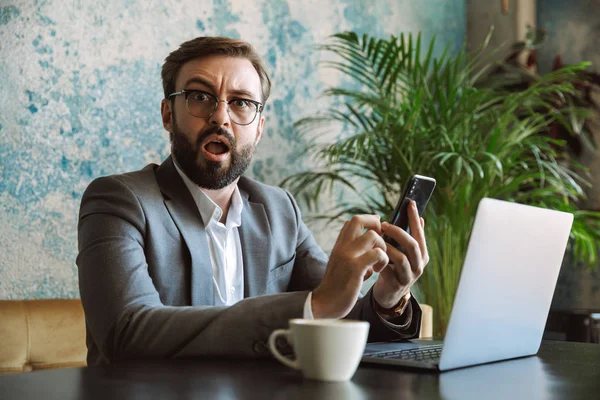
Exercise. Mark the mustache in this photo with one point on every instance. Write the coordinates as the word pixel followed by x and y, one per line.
pixel 218 130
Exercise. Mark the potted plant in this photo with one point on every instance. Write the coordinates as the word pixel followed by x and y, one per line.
pixel 404 111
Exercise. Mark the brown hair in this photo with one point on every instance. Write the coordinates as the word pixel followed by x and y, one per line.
pixel 205 46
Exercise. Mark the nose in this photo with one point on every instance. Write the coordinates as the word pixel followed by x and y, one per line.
pixel 220 116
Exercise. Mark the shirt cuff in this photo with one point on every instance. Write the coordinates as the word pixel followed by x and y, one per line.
pixel 308 314
pixel 401 322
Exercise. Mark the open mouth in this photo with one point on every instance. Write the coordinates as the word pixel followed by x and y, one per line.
pixel 216 147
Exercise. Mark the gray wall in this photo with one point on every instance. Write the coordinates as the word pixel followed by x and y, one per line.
pixel 481 15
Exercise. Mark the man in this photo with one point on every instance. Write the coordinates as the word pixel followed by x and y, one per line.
pixel 189 258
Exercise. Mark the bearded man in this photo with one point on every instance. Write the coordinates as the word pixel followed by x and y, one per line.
pixel 191 258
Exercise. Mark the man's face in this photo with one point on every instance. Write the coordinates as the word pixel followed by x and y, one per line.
pixel 214 151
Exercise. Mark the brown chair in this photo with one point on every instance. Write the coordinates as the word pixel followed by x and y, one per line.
pixel 426 321
pixel 41 334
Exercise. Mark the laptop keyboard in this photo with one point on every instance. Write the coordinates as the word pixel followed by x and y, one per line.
pixel 429 353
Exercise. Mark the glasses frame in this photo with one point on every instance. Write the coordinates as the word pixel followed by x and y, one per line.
pixel 259 106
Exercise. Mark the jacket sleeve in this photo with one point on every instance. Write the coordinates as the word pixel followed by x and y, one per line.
pixel 124 314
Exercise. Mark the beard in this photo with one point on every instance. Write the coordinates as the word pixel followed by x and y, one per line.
pixel 205 173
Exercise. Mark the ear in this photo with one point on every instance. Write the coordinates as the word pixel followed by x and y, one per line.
pixel 259 130
pixel 167 115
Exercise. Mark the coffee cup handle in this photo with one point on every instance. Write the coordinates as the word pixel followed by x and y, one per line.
pixel 273 347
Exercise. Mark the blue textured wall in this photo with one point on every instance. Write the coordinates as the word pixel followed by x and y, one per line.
pixel 80 97
pixel 574 33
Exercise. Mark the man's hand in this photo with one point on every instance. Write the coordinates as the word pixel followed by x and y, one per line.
pixel 356 254
pixel 396 279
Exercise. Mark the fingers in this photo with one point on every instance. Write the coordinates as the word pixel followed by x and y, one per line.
pixel 413 218
pixel 399 235
pixel 375 259
pixel 355 227
pixel 417 230
pixel 419 236
pixel 415 243
pixel 355 255
pixel 397 276
pixel 415 248
pixel 411 261
pixel 368 241
pixel 405 266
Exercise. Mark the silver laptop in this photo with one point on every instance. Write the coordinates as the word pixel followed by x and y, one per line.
pixel 504 294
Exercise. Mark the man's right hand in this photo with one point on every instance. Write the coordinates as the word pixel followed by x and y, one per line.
pixel 355 255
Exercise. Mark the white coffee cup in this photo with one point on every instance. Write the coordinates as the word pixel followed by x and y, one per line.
pixel 326 349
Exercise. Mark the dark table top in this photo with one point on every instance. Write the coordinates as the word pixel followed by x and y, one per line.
pixel 561 370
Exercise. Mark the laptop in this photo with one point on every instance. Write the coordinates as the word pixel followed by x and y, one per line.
pixel 504 294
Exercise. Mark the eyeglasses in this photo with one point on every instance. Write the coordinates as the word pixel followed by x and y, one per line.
pixel 202 104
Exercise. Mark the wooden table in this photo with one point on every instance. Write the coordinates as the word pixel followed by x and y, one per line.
pixel 561 370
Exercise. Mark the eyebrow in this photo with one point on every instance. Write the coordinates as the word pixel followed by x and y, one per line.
pixel 210 86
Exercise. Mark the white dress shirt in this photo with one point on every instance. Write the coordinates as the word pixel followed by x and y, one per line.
pixel 224 245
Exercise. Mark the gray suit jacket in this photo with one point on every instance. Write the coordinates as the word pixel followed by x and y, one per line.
pixel 145 275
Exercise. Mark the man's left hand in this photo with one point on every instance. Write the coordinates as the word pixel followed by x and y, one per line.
pixel 396 279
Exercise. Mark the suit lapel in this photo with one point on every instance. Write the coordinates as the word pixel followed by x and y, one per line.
pixel 255 235
pixel 186 216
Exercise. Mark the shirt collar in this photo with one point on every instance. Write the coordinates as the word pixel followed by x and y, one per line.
pixel 210 212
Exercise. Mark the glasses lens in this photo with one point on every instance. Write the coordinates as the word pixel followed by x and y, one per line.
pixel 242 112
pixel 201 104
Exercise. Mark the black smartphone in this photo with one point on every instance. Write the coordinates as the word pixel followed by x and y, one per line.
pixel 418 188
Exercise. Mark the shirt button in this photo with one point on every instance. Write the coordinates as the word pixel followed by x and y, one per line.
pixel 232 290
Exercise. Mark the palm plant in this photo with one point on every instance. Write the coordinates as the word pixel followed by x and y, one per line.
pixel 406 112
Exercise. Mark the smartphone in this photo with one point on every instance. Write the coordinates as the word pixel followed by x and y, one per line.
pixel 418 188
